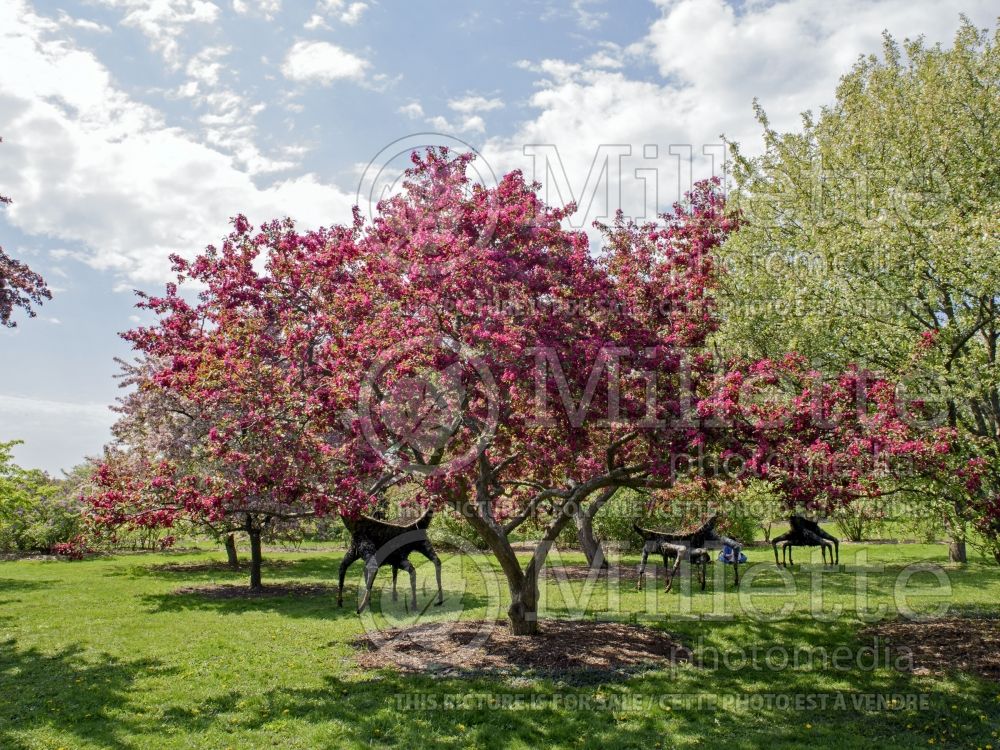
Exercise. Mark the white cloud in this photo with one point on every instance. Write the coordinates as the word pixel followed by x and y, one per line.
pixel 229 116
pixel 92 167
pixel 467 108
pixel 609 56
pixel 578 10
pixel 206 65
pixel 316 21
pixel 470 123
pixel 347 13
pixel 712 60
pixel 164 21
pixel 587 18
pixel 265 8
pixel 472 104
pixel 473 123
pixel 322 63
pixel 67 21
pixel 413 110
pixel 352 14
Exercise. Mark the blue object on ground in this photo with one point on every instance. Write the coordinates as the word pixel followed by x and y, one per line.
pixel 726 555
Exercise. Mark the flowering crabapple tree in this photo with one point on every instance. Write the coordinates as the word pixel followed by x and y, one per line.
pixel 461 397
pixel 823 442
pixel 225 428
pixel 663 275
pixel 158 423
pixel 20 287
pixel 519 375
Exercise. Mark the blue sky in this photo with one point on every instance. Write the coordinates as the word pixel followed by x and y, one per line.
pixel 135 129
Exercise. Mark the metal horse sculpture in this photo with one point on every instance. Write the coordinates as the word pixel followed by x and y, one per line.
pixel 380 543
pixel 805 533
pixel 691 544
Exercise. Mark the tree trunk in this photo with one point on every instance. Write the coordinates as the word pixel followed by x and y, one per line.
pixel 233 558
pixel 590 544
pixel 956 550
pixel 523 584
pixel 523 610
pixel 255 558
pixel 957 532
pixel 592 548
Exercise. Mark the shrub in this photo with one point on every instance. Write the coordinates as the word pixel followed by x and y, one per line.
pixel 861 519
pixel 451 531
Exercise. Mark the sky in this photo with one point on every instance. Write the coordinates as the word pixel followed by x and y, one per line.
pixel 134 129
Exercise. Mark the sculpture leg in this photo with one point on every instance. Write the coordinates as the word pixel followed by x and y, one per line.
pixel 408 567
pixel 737 549
pixel 642 569
pixel 349 557
pixel 834 541
pixel 677 552
pixel 395 573
pixel 371 569
pixel 775 542
pixel 428 552
pixel 668 572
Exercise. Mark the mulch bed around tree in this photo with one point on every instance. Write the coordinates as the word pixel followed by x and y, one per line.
pixel 962 644
pixel 242 591
pixel 562 646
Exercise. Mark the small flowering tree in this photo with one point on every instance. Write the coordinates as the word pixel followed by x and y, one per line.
pixel 224 429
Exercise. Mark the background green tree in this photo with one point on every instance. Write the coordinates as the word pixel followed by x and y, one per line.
pixel 871 235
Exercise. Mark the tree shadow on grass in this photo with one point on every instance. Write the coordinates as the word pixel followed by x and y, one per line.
pixel 316 566
pixel 310 602
pixel 68 693
pixel 17 585
pixel 388 709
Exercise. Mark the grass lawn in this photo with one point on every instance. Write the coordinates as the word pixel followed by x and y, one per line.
pixel 104 654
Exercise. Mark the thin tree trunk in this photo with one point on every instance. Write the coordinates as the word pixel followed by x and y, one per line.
pixel 523 610
pixel 255 558
pixel 233 558
pixel 592 548
pixel 956 536
pixel 522 584
pixel 956 550
pixel 590 544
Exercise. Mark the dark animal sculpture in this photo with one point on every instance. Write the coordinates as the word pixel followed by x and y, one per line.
pixel 691 544
pixel 380 543
pixel 805 533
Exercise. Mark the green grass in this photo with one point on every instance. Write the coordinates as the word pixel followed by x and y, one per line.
pixel 104 654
